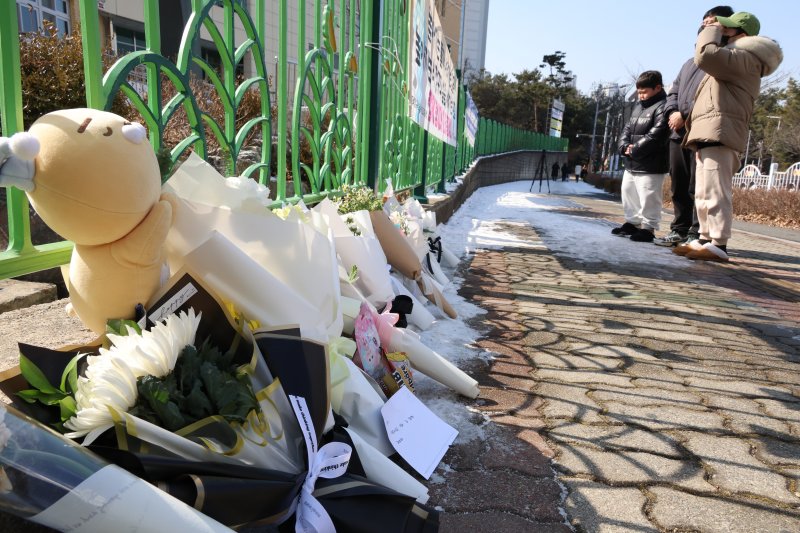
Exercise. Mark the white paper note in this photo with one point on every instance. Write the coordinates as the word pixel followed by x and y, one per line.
pixel 418 435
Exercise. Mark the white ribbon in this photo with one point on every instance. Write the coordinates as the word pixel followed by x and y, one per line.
pixel 328 462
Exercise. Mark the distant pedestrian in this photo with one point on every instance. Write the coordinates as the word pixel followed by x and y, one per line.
pixel 585 171
pixel 644 142
pixel 554 170
pixel 564 171
pixel 680 99
pixel 578 170
pixel 717 126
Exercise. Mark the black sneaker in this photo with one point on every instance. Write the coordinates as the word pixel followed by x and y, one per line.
pixel 625 230
pixel 670 240
pixel 643 235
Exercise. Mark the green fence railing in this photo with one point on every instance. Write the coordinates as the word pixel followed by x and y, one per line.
pixel 343 118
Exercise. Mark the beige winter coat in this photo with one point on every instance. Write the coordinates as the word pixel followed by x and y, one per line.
pixel 725 98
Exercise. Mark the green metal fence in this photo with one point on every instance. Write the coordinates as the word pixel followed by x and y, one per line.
pixel 344 121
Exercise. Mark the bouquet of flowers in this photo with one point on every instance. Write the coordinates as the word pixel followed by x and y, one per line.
pixel 232 431
pixel 279 268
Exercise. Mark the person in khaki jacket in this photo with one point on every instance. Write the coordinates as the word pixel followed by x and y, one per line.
pixel 717 126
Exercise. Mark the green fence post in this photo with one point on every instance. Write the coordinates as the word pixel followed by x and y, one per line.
pixel 92 58
pixel 19 239
pixel 282 94
pixel 419 191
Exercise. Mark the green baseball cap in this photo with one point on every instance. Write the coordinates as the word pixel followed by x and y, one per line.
pixel 746 21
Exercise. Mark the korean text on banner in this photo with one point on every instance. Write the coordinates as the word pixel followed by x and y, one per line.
pixel 433 94
pixel 556 118
pixel 471 120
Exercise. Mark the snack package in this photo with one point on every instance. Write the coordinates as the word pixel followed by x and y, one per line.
pixel 369 355
pixel 401 371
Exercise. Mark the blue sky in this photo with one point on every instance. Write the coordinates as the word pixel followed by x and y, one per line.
pixel 612 41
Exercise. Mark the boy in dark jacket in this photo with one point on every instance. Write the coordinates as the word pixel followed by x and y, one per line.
pixel 644 142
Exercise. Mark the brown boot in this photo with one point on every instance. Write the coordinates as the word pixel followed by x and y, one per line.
pixel 709 252
pixel 686 247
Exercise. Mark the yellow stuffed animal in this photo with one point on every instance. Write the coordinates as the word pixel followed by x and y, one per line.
pixel 97 183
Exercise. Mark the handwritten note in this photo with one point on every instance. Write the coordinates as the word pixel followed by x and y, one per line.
pixel 173 303
pixel 418 435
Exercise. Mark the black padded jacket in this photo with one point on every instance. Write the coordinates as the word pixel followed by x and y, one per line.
pixel 681 94
pixel 648 131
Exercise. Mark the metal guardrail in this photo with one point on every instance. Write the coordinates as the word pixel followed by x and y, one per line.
pixel 351 121
pixel 750 177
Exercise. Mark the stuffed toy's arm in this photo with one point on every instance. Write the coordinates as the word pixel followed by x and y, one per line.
pixel 16 161
pixel 142 246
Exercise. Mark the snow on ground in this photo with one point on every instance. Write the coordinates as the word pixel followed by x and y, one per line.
pixel 562 229
pixel 479 224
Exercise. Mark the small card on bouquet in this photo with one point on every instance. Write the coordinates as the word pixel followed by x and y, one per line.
pixel 418 435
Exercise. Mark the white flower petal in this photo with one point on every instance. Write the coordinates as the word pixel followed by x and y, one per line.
pixel 110 378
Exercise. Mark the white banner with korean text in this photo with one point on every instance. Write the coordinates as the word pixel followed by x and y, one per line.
pixel 433 86
pixel 470 120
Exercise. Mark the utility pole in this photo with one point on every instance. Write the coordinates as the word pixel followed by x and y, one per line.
pixel 604 153
pixel 594 127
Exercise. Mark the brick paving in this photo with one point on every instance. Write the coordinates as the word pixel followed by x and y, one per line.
pixel 632 398
pixel 627 398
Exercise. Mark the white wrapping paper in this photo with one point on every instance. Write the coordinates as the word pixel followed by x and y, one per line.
pixel 354 396
pixel 422 358
pixel 431 363
pixel 449 259
pixel 363 252
pixel 255 292
pixel 112 499
pixel 431 266
pixel 291 250
pixel 383 471
pixel 420 316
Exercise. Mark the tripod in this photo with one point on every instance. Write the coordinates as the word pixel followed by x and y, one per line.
pixel 541 173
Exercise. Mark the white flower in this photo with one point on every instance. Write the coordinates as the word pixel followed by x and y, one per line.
pixel 109 383
pixel 5 433
pixel 399 220
pixel 5 483
pixel 286 211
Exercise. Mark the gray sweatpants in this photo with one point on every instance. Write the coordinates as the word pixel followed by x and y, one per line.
pixel 642 198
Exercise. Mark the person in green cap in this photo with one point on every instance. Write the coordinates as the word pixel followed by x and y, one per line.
pixel 717 125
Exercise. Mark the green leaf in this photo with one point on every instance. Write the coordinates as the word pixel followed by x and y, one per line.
pixel 29 395
pixel 34 376
pixel 352 276
pixel 197 403
pixel 117 327
pixel 33 395
pixel 156 393
pixel 68 407
pixel 70 374
pixel 187 368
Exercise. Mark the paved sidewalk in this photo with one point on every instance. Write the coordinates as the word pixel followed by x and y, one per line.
pixel 620 399
pixel 667 398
